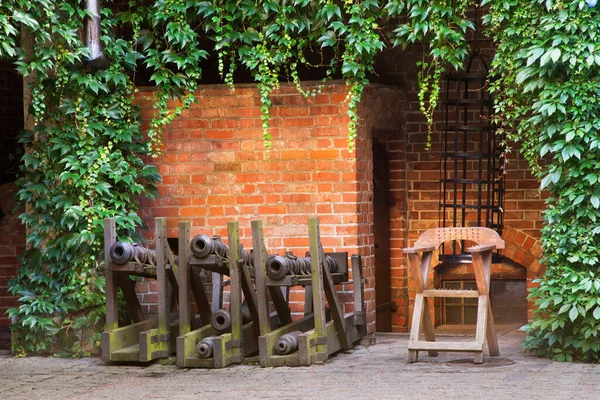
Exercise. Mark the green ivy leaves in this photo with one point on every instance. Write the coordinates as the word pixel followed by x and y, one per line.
pixel 547 91
pixel 82 164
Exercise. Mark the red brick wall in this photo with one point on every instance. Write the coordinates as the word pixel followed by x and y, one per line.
pixel 215 169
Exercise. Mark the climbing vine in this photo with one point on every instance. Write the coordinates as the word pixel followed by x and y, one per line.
pixel 82 164
pixel 548 64
pixel 84 157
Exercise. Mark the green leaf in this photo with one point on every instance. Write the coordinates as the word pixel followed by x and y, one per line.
pixel 573 314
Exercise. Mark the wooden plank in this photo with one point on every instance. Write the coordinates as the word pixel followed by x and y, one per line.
pixel 135 268
pixel 420 249
pixel 112 314
pixel 133 304
pixel 267 342
pixel 184 278
pixel 317 282
pixel 446 346
pixel 249 295
pixel 358 287
pixel 308 304
pixel 217 289
pixel 154 345
pixel 161 275
pixel 186 344
pixel 333 340
pixel 235 296
pixel 200 297
pixel 119 338
pixel 482 316
pixel 425 267
pixel 415 271
pixel 491 336
pixel 259 253
pixel 451 293
pixel 415 329
pixel 128 354
pixel 428 329
pixel 335 307
pixel 479 268
pixel 280 304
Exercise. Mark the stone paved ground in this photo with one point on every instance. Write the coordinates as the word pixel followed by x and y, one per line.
pixel 377 372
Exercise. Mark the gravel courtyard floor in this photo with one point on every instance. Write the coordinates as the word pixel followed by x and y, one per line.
pixel 377 372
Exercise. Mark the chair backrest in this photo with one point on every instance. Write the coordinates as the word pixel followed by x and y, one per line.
pixel 479 235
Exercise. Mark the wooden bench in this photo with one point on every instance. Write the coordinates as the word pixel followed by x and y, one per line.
pixel 420 258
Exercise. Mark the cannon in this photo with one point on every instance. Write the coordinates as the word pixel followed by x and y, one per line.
pixel 203 246
pixel 121 253
pixel 289 264
pixel 287 343
pixel 221 319
pixel 206 347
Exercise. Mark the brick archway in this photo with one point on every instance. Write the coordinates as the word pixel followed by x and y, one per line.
pixel 527 251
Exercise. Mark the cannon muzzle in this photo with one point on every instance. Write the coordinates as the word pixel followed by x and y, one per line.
pixel 206 347
pixel 203 246
pixel 221 319
pixel 121 253
pixel 287 343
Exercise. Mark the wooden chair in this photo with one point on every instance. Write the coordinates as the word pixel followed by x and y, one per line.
pixel 419 259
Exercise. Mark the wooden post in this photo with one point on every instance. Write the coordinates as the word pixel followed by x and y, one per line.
pixel 419 268
pixel 110 237
pixel 317 286
pixel 184 278
pixel 133 305
pixel 217 288
pixel 335 306
pixel 235 292
pixel 260 254
pixel 161 277
pixel 359 294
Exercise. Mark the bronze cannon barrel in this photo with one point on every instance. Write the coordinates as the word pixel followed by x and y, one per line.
pixel 206 347
pixel 221 319
pixel 203 246
pixel 121 253
pixel 287 343
pixel 288 264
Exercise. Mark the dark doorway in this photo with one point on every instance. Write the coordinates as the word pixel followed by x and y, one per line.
pixel 381 231
pixel 11 120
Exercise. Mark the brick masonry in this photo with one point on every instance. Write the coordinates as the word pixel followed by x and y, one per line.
pixel 215 169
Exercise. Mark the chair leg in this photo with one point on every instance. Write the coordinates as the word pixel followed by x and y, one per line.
pixel 478 357
pixel 415 330
pixel 492 338
pixel 413 356
pixel 428 328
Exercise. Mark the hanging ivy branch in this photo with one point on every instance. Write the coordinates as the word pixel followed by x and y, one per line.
pixel 170 47
pixel 440 25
